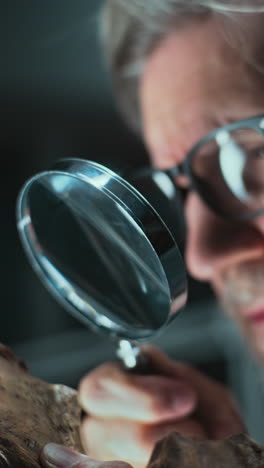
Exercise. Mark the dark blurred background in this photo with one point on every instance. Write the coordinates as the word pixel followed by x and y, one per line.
pixel 56 102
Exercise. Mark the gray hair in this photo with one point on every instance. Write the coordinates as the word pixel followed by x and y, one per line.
pixel 131 29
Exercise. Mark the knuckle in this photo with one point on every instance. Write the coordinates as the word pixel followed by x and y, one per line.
pixel 84 386
pixel 96 378
pixel 92 388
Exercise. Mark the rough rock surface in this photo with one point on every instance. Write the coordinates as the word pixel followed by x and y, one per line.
pixel 176 451
pixel 33 413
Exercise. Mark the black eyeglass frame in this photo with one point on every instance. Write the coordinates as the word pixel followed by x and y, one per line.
pixel 185 168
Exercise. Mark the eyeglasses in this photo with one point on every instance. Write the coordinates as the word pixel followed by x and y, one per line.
pixel 226 169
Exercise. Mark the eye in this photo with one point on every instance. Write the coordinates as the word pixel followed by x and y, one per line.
pixel 228 172
pixel 257 153
pixel 253 173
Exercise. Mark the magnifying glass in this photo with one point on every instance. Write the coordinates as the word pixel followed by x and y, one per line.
pixel 103 250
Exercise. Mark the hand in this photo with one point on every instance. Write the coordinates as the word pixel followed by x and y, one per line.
pixel 56 456
pixel 129 413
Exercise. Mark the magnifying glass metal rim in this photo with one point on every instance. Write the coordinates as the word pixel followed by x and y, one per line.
pixel 81 170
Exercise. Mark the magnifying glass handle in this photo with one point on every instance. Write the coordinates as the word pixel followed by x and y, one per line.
pixel 133 359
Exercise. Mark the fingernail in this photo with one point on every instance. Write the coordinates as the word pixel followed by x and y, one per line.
pixel 57 456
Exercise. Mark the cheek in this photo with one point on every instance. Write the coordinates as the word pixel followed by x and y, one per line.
pixel 201 238
pixel 215 245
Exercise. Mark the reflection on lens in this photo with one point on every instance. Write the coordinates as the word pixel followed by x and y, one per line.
pixel 253 177
pixel 96 255
pixel 101 249
pixel 228 172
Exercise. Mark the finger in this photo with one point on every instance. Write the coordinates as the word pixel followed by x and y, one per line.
pixel 57 456
pixel 110 392
pixel 216 407
pixel 114 439
pixel 127 440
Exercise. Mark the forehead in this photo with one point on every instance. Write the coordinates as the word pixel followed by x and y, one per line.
pixel 194 82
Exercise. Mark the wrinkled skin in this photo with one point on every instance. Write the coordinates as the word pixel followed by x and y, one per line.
pixel 212 89
pixel 128 413
pixel 192 83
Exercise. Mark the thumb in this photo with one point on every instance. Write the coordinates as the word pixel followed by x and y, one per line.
pixel 57 456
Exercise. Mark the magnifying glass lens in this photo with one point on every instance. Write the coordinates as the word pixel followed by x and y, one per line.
pixel 91 237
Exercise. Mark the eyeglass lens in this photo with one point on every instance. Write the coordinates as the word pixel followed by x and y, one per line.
pixel 228 172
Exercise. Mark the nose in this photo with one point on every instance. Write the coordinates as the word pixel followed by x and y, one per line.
pixel 213 244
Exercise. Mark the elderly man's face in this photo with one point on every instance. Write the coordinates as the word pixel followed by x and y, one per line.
pixel 193 83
